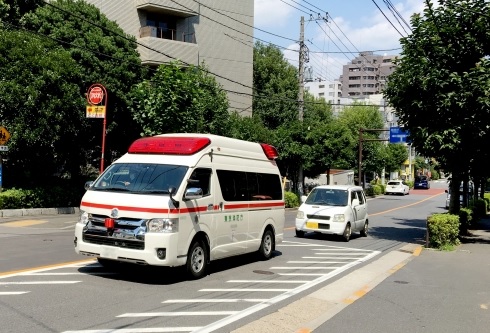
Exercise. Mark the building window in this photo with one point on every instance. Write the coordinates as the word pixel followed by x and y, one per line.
pixel 321 86
pixel 354 86
pixel 354 77
pixel 321 94
pixel 330 94
pixel 386 60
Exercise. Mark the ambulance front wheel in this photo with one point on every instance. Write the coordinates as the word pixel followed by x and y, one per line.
pixel 197 260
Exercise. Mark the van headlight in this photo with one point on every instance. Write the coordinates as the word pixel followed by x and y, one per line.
pixel 162 225
pixel 300 214
pixel 338 218
pixel 84 217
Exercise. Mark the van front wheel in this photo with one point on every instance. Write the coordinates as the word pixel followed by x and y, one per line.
pixel 267 245
pixel 197 260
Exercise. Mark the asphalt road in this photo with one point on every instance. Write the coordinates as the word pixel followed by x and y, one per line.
pixel 46 287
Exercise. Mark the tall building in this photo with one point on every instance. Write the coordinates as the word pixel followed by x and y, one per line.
pixel 366 74
pixel 216 33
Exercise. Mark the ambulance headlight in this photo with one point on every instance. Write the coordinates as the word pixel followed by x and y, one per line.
pixel 162 225
pixel 84 217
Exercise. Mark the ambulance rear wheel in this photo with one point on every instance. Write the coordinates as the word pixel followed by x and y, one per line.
pixel 267 245
pixel 197 260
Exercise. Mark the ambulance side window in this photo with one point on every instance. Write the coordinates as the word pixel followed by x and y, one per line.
pixel 201 178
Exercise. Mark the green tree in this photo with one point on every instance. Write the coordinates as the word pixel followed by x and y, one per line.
pixel 11 11
pixel 66 47
pixel 361 116
pixel 396 154
pixel 275 83
pixel 38 96
pixel 440 87
pixel 181 99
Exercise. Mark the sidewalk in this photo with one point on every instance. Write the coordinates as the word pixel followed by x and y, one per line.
pixel 435 292
pixel 413 289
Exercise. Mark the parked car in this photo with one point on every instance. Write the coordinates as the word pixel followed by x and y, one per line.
pixel 397 187
pixel 333 209
pixel 421 182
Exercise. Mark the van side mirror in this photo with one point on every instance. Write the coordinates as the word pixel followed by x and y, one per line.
pixel 88 185
pixel 193 193
pixel 303 198
pixel 355 202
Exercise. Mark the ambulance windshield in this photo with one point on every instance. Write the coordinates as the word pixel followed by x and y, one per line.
pixel 141 178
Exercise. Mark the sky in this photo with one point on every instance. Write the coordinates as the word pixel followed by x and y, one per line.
pixel 353 26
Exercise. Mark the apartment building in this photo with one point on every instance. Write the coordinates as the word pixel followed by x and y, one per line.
pixel 214 32
pixel 366 74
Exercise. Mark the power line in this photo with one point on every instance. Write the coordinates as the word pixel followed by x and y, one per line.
pixel 246 24
pixel 387 18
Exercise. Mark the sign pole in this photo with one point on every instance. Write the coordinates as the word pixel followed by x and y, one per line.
pixel 97 94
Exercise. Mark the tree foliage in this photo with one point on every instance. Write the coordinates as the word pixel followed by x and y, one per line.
pixel 275 83
pixel 396 154
pixel 66 46
pixel 440 88
pixel 367 117
pixel 181 99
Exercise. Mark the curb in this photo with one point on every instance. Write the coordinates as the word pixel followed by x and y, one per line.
pixel 38 211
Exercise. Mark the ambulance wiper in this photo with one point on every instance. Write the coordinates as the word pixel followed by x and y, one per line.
pixel 114 188
pixel 155 191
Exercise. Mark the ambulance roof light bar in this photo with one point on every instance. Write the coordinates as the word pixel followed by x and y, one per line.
pixel 169 145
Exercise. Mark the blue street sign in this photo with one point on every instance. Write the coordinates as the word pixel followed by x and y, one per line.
pixel 398 135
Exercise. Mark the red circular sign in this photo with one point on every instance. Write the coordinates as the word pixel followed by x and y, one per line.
pixel 95 95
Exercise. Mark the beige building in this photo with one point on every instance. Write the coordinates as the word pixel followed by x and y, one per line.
pixel 366 74
pixel 214 32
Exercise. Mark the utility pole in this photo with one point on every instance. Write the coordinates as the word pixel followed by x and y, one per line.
pixel 301 91
pixel 301 79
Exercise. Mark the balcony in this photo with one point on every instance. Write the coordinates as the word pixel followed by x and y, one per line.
pixel 149 31
pixel 184 8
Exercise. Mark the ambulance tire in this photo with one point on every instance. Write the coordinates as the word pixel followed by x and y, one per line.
pixel 267 245
pixel 197 260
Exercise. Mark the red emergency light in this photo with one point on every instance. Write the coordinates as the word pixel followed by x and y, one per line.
pixel 270 151
pixel 168 145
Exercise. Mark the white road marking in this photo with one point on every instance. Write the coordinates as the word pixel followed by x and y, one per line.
pixel 245 289
pixel 140 330
pixel 6 293
pixel 267 281
pixel 255 308
pixel 326 267
pixel 39 282
pixel 217 300
pixel 173 314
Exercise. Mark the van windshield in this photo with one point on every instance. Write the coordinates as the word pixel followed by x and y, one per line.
pixel 141 178
pixel 328 197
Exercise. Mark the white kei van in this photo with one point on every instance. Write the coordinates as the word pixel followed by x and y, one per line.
pixel 184 199
pixel 333 209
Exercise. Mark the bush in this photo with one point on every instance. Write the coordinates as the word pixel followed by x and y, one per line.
pixel 291 199
pixel 409 183
pixel 443 230
pixel 465 220
pixel 56 196
pixel 369 192
pixel 434 174
pixel 479 208
pixel 377 189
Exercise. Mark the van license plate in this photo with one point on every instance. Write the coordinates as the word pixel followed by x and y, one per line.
pixel 312 225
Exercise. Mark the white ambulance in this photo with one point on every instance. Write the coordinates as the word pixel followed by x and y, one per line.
pixel 184 199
